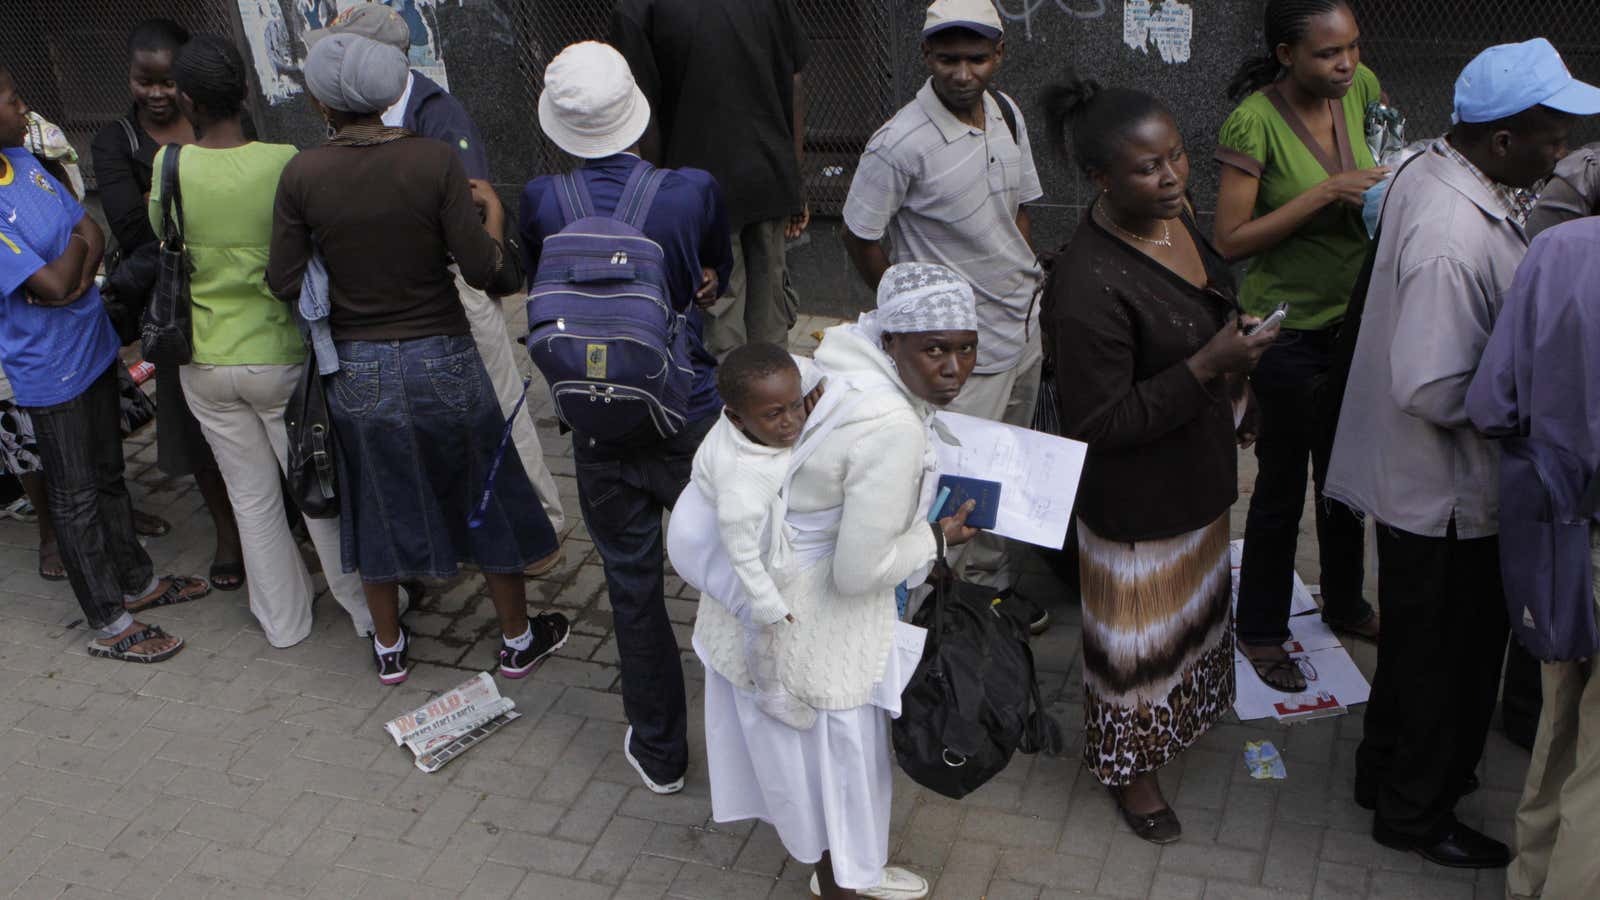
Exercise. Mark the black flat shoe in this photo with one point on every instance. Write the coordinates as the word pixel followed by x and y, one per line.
pixel 1159 827
pixel 1458 848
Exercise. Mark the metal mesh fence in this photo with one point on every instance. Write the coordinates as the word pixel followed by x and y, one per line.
pixel 70 58
pixel 1418 48
pixel 848 82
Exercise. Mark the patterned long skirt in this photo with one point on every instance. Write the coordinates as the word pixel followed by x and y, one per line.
pixel 1157 647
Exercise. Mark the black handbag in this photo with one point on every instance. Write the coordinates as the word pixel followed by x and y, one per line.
pixel 974 698
pixel 167 335
pixel 313 445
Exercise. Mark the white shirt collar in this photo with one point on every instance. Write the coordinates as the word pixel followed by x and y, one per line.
pixel 395 115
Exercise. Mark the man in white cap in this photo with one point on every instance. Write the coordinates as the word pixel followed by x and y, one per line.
pixel 945 180
pixel 1452 236
pixel 429 110
pixel 592 109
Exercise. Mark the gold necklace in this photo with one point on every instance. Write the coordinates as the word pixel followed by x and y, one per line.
pixel 1166 229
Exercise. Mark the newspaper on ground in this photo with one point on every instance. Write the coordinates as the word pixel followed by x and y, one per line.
pixel 451 723
pixel 1038 473
pixel 1333 683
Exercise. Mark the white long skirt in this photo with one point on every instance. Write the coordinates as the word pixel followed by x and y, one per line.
pixel 825 789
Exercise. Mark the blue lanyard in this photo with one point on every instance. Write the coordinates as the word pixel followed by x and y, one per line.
pixel 476 519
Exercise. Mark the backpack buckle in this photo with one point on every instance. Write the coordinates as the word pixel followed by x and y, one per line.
pixel 619 258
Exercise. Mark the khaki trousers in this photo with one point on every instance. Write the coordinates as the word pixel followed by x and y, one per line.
pixel 240 409
pixel 499 353
pixel 1008 397
pixel 1558 820
pixel 759 305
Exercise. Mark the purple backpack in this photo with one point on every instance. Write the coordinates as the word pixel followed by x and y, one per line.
pixel 1548 500
pixel 601 327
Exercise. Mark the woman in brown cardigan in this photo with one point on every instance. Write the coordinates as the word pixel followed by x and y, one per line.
pixel 1142 322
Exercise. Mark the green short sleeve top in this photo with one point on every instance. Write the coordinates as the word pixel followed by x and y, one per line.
pixel 227 217
pixel 1315 269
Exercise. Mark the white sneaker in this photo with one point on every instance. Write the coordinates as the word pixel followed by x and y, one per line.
pixel 671 787
pixel 896 884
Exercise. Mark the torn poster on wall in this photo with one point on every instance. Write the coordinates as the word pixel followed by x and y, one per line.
pixel 278 57
pixel 1165 24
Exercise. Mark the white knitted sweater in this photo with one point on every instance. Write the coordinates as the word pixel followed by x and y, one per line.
pixel 872 468
pixel 742 479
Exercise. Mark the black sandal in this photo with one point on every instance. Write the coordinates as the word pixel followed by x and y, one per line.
pixel 227 576
pixel 1159 827
pixel 174 594
pixel 1266 669
pixel 123 649
pixel 1353 629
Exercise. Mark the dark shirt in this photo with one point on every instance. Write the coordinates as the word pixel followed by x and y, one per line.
pixel 389 219
pixel 719 75
pixel 431 111
pixel 1162 456
pixel 122 175
pixel 687 220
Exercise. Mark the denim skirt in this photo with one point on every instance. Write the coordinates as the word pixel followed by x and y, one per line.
pixel 419 428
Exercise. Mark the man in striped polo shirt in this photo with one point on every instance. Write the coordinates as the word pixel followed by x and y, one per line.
pixel 946 179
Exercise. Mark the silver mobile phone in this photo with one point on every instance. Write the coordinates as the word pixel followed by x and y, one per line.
pixel 1277 316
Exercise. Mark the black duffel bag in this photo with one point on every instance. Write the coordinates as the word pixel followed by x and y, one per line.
pixel 974 699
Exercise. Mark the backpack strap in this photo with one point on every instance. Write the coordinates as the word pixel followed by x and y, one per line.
pixel 638 195
pixel 1009 113
pixel 573 196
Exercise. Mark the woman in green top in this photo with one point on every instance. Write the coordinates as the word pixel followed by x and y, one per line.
pixel 1294 166
pixel 247 351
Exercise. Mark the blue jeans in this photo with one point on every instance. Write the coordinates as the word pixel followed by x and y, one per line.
pixel 623 491
pixel 80 447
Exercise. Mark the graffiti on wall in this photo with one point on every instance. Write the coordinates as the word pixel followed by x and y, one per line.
pixel 277 55
pixel 1166 25
pixel 1026 11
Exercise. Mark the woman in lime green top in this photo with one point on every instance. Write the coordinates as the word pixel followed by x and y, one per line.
pixel 248 352
pixel 1294 165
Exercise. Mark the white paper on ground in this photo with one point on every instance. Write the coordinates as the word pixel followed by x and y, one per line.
pixel 1038 473
pixel 446 726
pixel 1300 600
pixel 1332 679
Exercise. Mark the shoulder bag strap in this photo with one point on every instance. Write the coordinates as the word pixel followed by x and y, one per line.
pixel 132 136
pixel 171 198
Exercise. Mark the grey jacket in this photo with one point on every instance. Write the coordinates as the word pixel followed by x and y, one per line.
pixel 1406 452
pixel 1574 191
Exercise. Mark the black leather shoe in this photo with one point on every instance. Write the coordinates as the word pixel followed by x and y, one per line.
pixel 1459 847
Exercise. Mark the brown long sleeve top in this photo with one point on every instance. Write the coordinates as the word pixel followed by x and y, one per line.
pixel 1162 457
pixel 390 218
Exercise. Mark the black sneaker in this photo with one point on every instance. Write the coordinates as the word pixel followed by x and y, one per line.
pixel 550 632
pixel 394 667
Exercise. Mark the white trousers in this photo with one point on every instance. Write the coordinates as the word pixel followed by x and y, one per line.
pixel 499 353
pixel 240 409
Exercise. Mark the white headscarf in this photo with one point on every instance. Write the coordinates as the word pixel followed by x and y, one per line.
pixel 918 296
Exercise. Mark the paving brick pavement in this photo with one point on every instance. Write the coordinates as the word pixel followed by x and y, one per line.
pixel 236 770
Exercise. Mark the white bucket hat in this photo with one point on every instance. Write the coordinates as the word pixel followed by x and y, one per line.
pixel 590 106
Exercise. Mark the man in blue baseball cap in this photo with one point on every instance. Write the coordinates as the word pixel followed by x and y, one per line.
pixel 1452 233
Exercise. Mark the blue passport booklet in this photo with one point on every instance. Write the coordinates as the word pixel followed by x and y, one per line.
pixel 962 489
